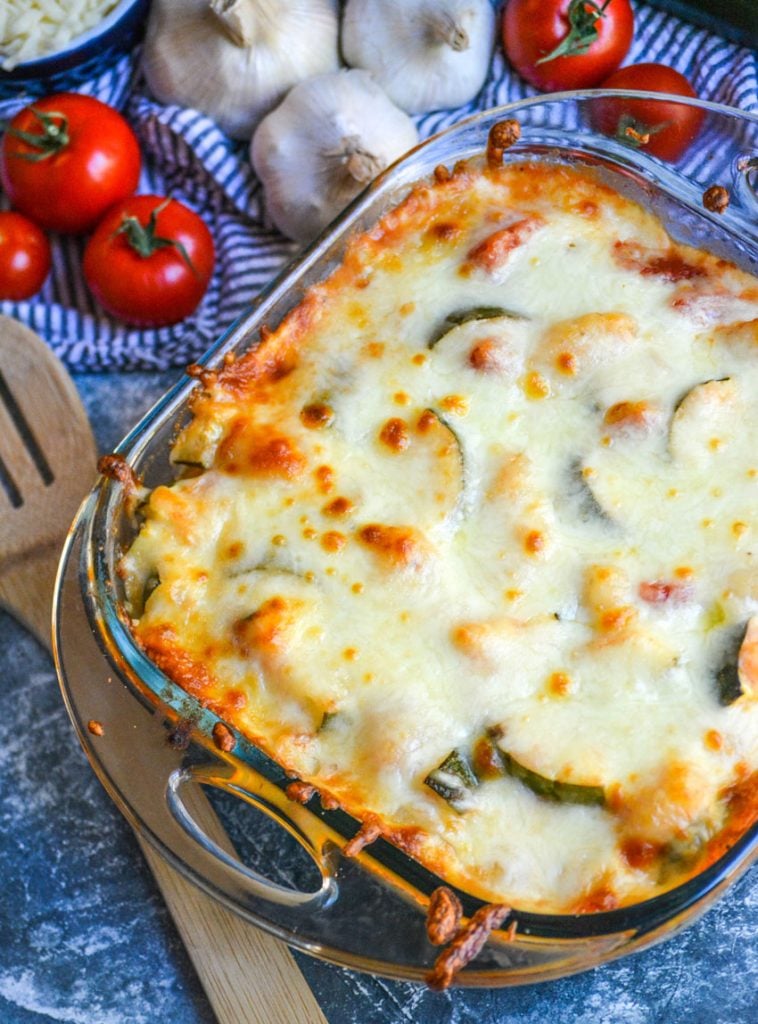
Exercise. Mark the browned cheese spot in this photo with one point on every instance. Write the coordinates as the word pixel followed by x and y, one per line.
pixel 333 541
pixel 494 251
pixel 535 386
pixel 394 434
pixel 666 263
pixel 484 356
pixel 456 404
pixel 397 546
pixel 324 478
pixel 566 363
pixel 250 448
pixel 559 684
pixel 427 422
pixel 340 506
pixel 161 645
pixel 317 415
pixel 628 416
pixel 534 542
pixel 444 231
pixel 264 629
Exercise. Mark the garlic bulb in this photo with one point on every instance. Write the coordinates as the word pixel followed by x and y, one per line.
pixel 235 59
pixel 425 54
pixel 324 142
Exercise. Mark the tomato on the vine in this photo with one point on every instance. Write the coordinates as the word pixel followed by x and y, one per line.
pixel 24 257
pixel 662 127
pixel 149 261
pixel 66 158
pixel 567 44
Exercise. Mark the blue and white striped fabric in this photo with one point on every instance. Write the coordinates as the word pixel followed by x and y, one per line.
pixel 186 156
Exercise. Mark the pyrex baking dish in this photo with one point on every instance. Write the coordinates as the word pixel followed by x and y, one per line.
pixel 367 914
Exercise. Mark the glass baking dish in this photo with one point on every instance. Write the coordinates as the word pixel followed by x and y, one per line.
pixel 156 756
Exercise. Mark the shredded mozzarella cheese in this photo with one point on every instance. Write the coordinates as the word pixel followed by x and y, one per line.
pixel 33 28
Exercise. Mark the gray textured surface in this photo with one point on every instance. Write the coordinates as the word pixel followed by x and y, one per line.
pixel 85 939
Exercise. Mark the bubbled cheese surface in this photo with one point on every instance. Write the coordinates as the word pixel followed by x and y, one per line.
pixel 495 477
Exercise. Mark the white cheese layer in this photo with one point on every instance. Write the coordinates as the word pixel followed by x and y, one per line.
pixel 494 483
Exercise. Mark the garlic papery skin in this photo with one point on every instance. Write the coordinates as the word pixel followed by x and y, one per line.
pixel 234 60
pixel 322 145
pixel 425 54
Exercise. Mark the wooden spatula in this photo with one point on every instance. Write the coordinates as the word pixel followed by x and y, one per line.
pixel 47 464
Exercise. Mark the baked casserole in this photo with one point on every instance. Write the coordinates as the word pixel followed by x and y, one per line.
pixel 467 543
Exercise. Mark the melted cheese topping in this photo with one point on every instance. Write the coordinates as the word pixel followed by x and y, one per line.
pixel 469 541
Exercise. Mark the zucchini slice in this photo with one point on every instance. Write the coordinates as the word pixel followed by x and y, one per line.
pixel 581 500
pixel 552 789
pixel 737 673
pixel 708 410
pixel 327 719
pixel 454 780
pixel 540 785
pixel 196 444
pixel 442 447
pixel 464 316
pixel 151 584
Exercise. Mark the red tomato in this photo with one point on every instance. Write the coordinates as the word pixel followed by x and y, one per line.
pixel 66 158
pixel 662 128
pixel 24 257
pixel 149 261
pixel 567 44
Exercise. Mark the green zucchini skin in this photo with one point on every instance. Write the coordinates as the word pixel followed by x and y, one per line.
pixel 683 853
pixel 458 510
pixel 682 409
pixel 152 583
pixel 727 679
pixel 581 499
pixel 551 789
pixel 683 398
pixel 453 779
pixel 327 717
pixel 463 316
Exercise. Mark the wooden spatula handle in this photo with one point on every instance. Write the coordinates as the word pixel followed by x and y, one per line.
pixel 249 977
pixel 26 588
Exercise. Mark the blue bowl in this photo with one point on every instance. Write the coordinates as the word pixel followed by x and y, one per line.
pixel 117 33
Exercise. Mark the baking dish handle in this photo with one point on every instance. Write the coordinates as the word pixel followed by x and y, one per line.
pixel 185 813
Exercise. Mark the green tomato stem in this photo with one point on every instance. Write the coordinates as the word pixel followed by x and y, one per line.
pixel 583 16
pixel 51 140
pixel 143 238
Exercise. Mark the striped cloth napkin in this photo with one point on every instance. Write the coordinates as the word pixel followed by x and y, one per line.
pixel 189 158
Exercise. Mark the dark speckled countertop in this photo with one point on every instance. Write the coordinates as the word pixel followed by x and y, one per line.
pixel 85 938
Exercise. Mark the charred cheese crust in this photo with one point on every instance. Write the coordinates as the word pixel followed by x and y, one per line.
pixel 469 541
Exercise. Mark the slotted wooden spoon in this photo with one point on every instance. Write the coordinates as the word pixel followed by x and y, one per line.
pixel 47 464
